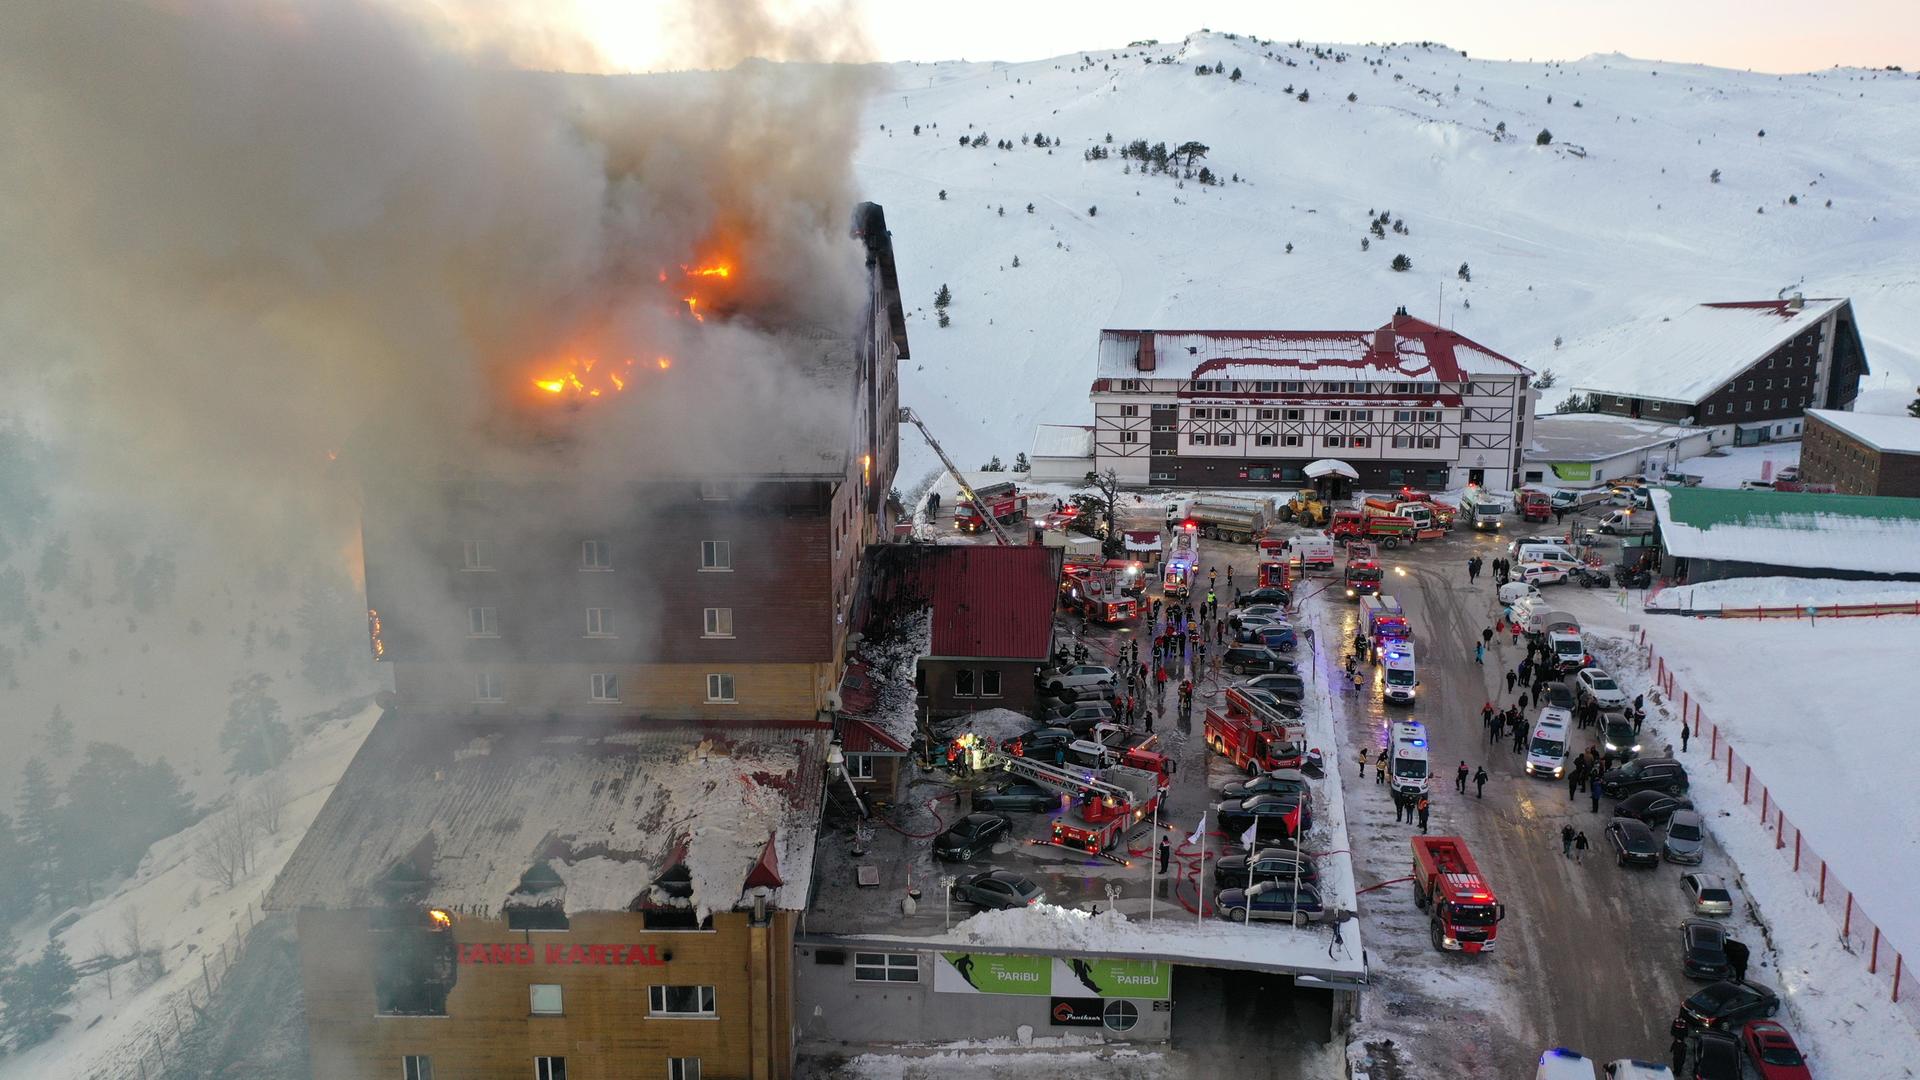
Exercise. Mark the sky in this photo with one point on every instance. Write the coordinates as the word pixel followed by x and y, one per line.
pixel 1763 35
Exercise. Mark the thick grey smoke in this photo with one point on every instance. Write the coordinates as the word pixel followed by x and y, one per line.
pixel 238 237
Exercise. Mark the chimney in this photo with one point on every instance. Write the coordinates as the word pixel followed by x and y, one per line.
pixel 1144 358
pixel 1796 302
pixel 1384 340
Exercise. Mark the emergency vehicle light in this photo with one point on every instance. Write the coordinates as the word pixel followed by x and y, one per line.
pixel 1419 742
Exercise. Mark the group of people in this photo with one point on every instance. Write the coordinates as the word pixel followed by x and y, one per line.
pixel 1508 723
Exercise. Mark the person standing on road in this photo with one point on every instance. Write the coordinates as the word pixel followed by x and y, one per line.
pixel 1593 794
pixel 1684 735
pixel 1480 655
pixel 1399 804
pixel 1737 957
pixel 1519 735
pixel 1359 682
pixel 1363 763
pixel 1380 768
pixel 1460 779
pixel 1486 715
pixel 1149 721
pixel 1576 777
pixel 1679 1052
pixel 1496 728
pixel 1470 571
pixel 1580 847
pixel 1423 814
pixel 1521 703
pixel 1166 854
pixel 1480 782
pixel 1511 676
pixel 1566 841
pixel 1525 667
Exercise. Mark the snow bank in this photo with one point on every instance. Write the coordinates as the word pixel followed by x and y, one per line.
pixel 1782 592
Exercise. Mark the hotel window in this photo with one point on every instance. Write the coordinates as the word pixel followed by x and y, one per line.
pixel 1749 384
pixel 1403 416
pixel 683 1069
pixel 481 622
pixel 549 1068
pixel 1746 406
pixel 1225 414
pixel 1290 414
pixel 1334 441
pixel 599 622
pixel 1336 414
pixel 602 686
pixel 963 683
pixel 1197 440
pixel 716 555
pixel 1265 386
pixel 416 1067
pixel 1201 414
pixel 886 967
pixel 486 687
pixel 544 999
pixel 1291 387
pixel 476 555
pixel 1433 388
pixel 1709 410
pixel 1361 415
pixel 1359 441
pixel 1163 476
pixel 1766 403
pixel 1129 410
pixel 596 555
pixel 860 766
pixel 990 682
pixel 680 1001
pixel 1268 414
pixel 720 689
pixel 1289 440
pixel 1223 440
pixel 1163 453
pixel 1769 385
pixel 1129 436
pixel 1402 442
pixel 1429 415
pixel 719 622
pixel 1263 440
pixel 1429 442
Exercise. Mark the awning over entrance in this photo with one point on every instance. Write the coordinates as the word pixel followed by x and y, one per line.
pixel 1331 467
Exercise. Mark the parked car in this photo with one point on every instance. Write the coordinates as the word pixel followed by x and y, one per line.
pixel 996 889
pixel 1276 636
pixel 1560 1063
pixel 1287 710
pixel 1651 807
pixel 1618 734
pixel 1633 842
pixel 1686 839
pixel 1271 864
pixel 1287 673
pixel 1703 950
pixel 1251 660
pixel 1772 1052
pixel 1635 1069
pixel 1079 677
pixel 973 833
pixel 1271 900
pixel 1557 695
pixel 1595 685
pixel 1277 782
pixel 1017 795
pixel 1644 774
pixel 1079 717
pixel 1716 1056
pixel 1283 686
pixel 1515 591
pixel 1540 575
pixel 1043 744
pixel 1726 1005
pixel 1271 594
pixel 1237 617
pixel 1708 894
pixel 1518 542
pixel 1296 811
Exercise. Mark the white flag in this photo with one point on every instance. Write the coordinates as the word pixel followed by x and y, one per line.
pixel 1199 830
pixel 1246 838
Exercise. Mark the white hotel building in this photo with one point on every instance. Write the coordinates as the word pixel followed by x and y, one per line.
pixel 1409 403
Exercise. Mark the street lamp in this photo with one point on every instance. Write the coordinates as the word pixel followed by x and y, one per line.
pixel 946 890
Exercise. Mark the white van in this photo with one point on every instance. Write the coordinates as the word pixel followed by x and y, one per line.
pixel 1311 552
pixel 1547 554
pixel 1408 772
pixel 1561 1063
pixel 1627 523
pixel 1529 613
pixel 1396 657
pixel 1635 1069
pixel 1547 749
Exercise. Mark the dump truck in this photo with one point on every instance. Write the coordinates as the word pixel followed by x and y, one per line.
pixel 1388 532
pixel 1463 914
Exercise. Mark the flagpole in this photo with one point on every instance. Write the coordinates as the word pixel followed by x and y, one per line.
pixel 1200 909
pixel 1153 861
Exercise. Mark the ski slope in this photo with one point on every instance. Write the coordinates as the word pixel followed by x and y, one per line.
pixel 1617 220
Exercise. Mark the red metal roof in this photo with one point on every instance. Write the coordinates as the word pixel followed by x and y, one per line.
pixel 860 737
pixel 987 601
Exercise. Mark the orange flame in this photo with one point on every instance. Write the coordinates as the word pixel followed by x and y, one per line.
pixel 719 270
pixel 440 918
pixel 581 381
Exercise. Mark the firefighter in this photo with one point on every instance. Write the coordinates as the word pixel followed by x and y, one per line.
pixel 1210 576
pixel 1229 575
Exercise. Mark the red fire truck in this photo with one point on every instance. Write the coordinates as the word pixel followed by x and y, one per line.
pixel 1533 505
pixel 1120 799
pixel 1363 573
pixel 1253 742
pixel 1463 913
pixel 1004 501
pixel 1276 575
pixel 1442 513
pixel 1389 531
pixel 1103 594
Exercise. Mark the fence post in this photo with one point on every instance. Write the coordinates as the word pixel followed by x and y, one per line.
pixel 1846 925
pixel 1715 752
pixel 1685 700
pixel 1746 782
pixel 1763 803
pixel 1780 834
pixel 1897 963
pixel 1823 881
pixel 1796 850
pixel 1873 958
pixel 1716 736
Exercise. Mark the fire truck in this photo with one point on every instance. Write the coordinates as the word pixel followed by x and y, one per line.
pixel 1463 913
pixel 1417 512
pixel 1534 505
pixel 1389 531
pixel 1176 577
pixel 1103 594
pixel 1363 573
pixel 1004 501
pixel 1442 513
pixel 1254 742
pixel 1118 800
pixel 1276 575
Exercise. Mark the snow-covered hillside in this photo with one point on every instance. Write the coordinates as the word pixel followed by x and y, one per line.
pixel 1618 219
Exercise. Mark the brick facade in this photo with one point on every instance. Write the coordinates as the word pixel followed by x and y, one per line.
pixel 1831 456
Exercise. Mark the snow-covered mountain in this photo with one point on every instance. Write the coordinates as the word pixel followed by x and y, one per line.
pixel 1619 218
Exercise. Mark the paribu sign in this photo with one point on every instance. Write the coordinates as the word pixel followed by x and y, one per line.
pixel 988 973
pixel 484 953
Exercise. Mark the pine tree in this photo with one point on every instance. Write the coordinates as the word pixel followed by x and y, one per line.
pixel 1465 274
pixel 39 807
pixel 1093 211
pixel 17 884
pixel 1402 264
pixel 1016 262
pixel 1304 95
pixel 943 194
pixel 1020 463
pixel 1235 77
pixel 945 321
pixel 1545 138
pixel 254 733
pixel 35 994
pixel 942 298
pixel 1913 407
pixel 1545 379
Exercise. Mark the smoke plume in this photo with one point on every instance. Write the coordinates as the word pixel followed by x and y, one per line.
pixel 241 238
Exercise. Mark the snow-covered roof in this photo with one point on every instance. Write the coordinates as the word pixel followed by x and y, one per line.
pixel 1405 350
pixel 1861 533
pixel 1062 440
pixel 1884 432
pixel 1688 356
pixel 469 808
pixel 1597 436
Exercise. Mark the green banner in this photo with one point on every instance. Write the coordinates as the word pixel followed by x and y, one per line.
pixel 1573 470
pixel 987 973
pixel 1113 978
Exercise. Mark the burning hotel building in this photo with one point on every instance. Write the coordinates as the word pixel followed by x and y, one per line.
pixel 575 844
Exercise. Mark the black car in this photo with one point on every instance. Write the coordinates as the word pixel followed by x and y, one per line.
pixel 1079 718
pixel 1618 735
pixel 1272 594
pixel 1633 842
pixel 1645 774
pixel 1283 686
pixel 1725 1006
pixel 1251 660
pixel 1234 815
pixel 1652 807
pixel 1716 1056
pixel 975 832
pixel 1557 695
pixel 1277 782
pixel 996 889
pixel 1703 950
pixel 1043 744
pixel 1287 710
pixel 1016 796
pixel 1271 864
